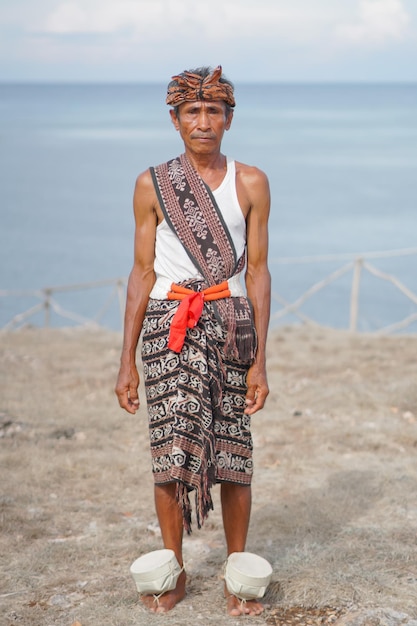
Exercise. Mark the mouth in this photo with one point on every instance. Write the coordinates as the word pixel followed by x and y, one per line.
pixel 203 137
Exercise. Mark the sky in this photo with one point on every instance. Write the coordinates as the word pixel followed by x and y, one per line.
pixel 253 40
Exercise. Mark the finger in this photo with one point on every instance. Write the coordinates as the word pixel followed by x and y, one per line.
pixel 258 403
pixel 133 399
pixel 126 403
pixel 250 395
pixel 123 401
pixel 134 405
pixel 133 395
pixel 130 407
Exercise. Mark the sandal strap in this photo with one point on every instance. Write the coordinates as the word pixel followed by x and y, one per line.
pixel 156 596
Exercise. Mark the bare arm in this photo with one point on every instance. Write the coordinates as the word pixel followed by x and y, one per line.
pixel 258 280
pixel 141 281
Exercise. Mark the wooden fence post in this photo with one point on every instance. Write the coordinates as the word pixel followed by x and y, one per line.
pixel 120 286
pixel 47 306
pixel 354 295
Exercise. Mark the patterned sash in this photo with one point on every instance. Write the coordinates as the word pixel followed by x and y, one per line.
pixel 192 213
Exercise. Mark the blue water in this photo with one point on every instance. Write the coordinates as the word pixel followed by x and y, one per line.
pixel 341 159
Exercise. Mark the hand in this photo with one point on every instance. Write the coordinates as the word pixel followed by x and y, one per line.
pixel 257 389
pixel 127 388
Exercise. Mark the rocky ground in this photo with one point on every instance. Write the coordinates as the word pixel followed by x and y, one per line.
pixel 335 487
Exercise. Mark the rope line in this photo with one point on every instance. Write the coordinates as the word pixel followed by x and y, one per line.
pixel 357 264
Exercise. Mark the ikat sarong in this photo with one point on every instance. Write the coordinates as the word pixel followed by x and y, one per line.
pixel 196 399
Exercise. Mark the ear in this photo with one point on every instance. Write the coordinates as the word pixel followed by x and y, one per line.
pixel 229 120
pixel 174 119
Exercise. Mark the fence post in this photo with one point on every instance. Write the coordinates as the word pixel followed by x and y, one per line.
pixel 122 299
pixel 47 306
pixel 354 295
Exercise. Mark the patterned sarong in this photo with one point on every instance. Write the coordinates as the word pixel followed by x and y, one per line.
pixel 196 398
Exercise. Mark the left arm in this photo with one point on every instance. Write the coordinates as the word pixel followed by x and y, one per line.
pixel 258 279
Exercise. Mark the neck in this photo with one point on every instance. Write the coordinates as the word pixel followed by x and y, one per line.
pixel 207 163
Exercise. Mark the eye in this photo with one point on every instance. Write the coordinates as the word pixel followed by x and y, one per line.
pixel 215 109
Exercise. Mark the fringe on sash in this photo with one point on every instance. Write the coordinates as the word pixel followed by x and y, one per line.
pixel 241 340
pixel 203 500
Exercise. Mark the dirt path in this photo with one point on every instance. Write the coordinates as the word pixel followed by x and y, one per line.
pixel 335 488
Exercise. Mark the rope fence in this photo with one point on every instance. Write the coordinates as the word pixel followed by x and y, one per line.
pixel 357 264
pixel 47 303
pixel 46 299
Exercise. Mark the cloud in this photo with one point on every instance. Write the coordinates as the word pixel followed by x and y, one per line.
pixel 267 39
pixel 104 18
pixel 150 18
pixel 378 22
pixel 219 19
pixel 299 23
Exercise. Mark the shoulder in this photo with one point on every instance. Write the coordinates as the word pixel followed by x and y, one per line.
pixel 144 182
pixel 145 189
pixel 252 184
pixel 250 173
pixel 145 200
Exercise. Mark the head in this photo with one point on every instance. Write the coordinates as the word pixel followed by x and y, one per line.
pixel 203 84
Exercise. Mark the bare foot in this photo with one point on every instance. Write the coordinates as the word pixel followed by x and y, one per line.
pixel 168 600
pixel 235 606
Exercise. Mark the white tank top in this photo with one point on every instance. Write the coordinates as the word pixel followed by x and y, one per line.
pixel 172 263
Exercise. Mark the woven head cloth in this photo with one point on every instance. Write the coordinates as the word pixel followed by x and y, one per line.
pixel 188 87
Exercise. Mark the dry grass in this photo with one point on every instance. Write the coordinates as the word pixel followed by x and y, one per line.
pixel 335 489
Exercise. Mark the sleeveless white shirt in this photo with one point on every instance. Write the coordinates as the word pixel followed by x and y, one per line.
pixel 172 263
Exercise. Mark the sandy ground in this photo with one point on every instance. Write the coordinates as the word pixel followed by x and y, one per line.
pixel 335 487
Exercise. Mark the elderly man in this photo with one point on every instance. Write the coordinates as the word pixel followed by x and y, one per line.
pixel 201 222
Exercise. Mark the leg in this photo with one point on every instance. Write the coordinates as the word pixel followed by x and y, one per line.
pixel 171 524
pixel 236 506
pixel 170 518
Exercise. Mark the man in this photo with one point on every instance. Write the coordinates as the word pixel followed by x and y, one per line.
pixel 201 219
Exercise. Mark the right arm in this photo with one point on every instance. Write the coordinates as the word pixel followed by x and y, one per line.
pixel 140 283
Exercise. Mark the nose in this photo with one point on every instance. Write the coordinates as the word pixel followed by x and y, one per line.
pixel 203 119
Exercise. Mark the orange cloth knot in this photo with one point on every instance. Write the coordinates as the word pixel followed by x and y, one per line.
pixel 190 309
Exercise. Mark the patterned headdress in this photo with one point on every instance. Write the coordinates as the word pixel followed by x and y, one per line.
pixel 188 87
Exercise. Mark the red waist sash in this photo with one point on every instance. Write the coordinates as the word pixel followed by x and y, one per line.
pixel 190 309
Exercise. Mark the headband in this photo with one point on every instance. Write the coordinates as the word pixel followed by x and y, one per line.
pixel 188 87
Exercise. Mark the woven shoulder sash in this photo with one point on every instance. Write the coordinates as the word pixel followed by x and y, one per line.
pixel 192 213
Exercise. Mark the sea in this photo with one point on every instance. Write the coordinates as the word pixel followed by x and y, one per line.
pixel 342 164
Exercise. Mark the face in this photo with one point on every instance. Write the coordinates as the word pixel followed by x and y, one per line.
pixel 201 124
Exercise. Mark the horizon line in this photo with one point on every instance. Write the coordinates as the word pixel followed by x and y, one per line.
pixel 129 82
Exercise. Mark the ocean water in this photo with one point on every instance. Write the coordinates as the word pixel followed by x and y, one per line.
pixel 341 160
